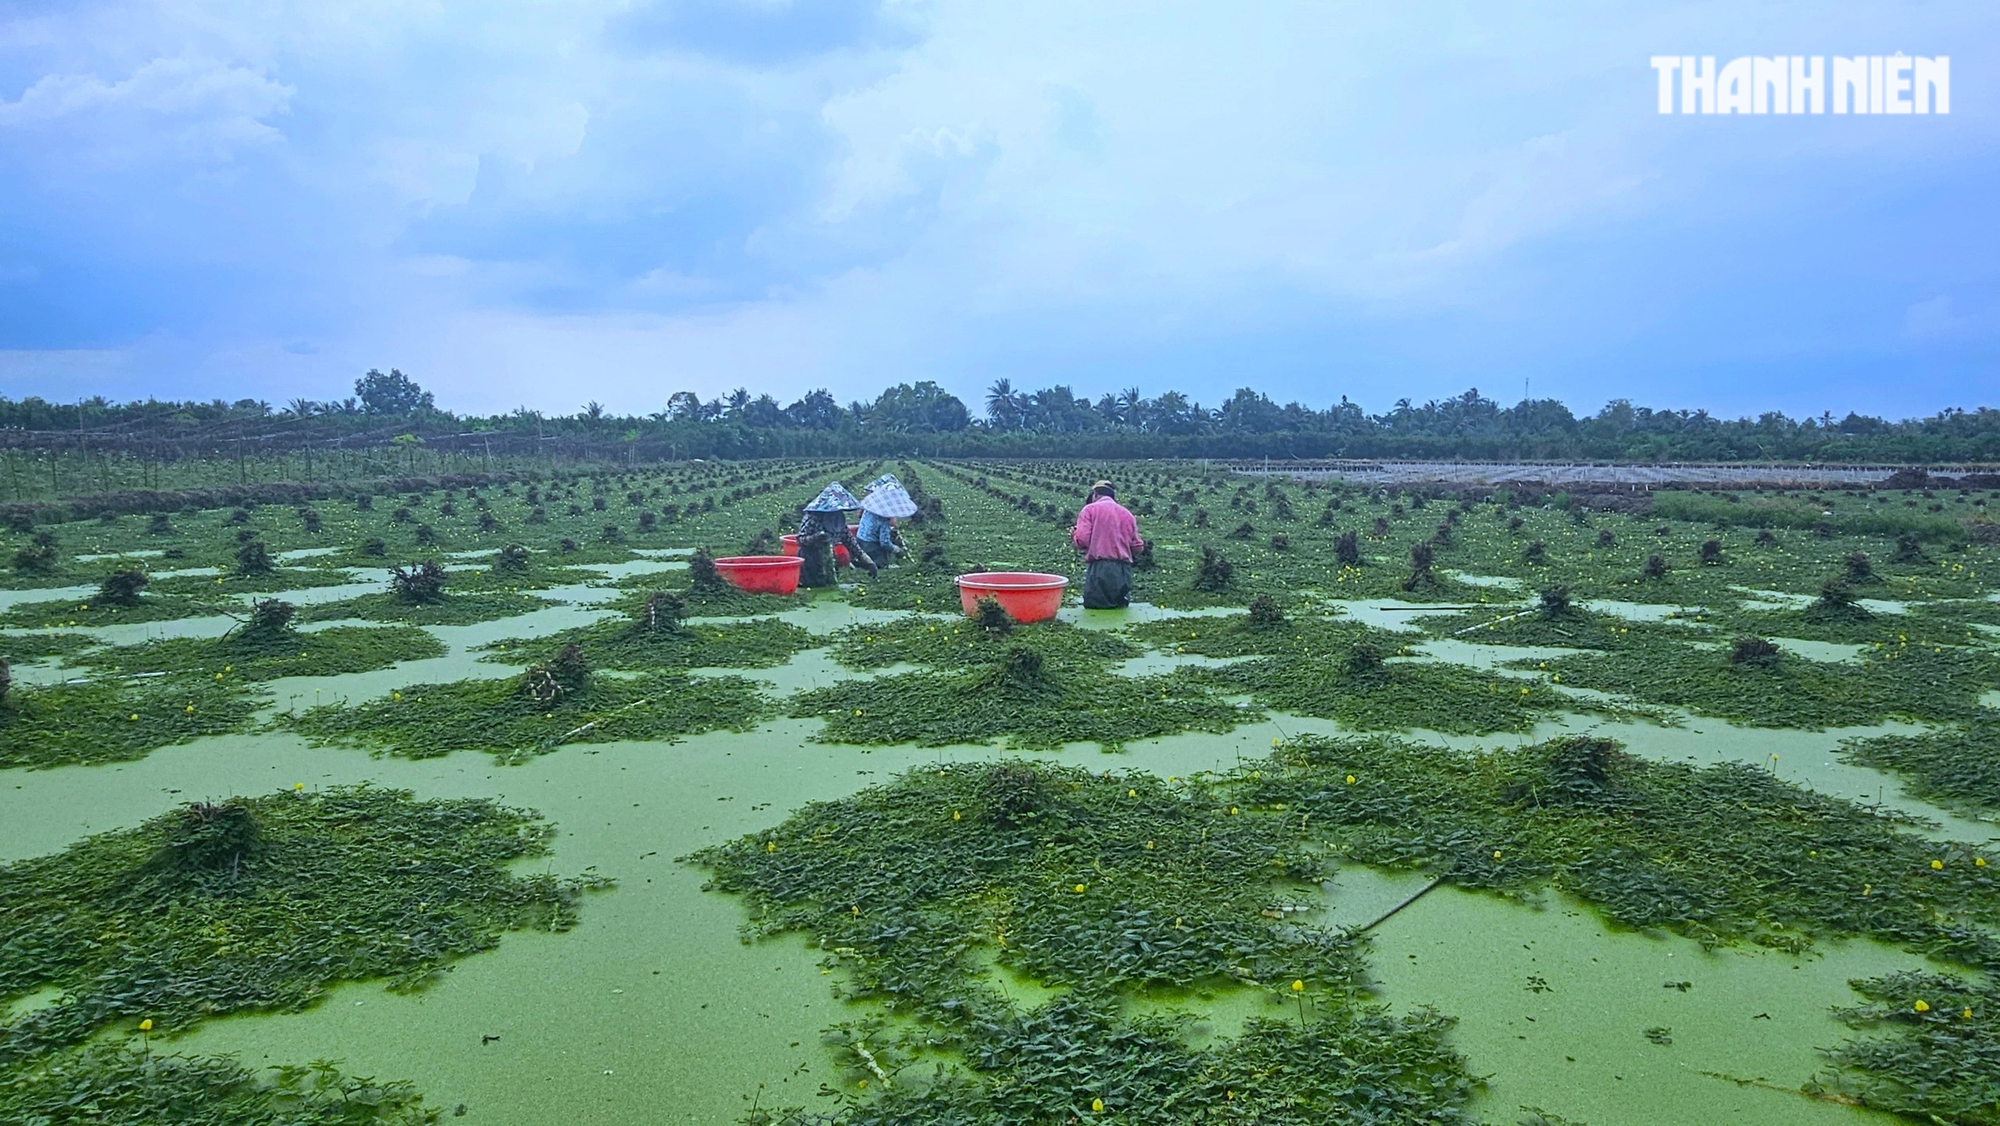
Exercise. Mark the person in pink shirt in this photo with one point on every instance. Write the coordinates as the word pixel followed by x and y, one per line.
pixel 1108 535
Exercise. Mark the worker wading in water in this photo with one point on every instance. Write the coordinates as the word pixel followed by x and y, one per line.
pixel 1108 535
pixel 824 525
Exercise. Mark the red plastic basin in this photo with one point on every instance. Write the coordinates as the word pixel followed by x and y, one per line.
pixel 791 543
pixel 1027 596
pixel 761 574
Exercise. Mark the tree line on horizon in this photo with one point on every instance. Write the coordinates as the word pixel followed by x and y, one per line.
pixel 1054 421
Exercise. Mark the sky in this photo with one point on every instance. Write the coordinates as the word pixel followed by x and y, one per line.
pixel 538 204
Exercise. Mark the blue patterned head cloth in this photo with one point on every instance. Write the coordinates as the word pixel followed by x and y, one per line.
pixel 834 498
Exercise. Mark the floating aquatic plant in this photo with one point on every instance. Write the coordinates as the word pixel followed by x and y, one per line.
pixel 1721 854
pixel 114 719
pixel 510 719
pixel 1101 885
pixel 261 904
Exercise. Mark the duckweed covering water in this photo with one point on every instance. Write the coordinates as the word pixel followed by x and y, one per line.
pixel 1100 886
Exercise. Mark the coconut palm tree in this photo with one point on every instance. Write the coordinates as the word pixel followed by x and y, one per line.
pixel 1003 405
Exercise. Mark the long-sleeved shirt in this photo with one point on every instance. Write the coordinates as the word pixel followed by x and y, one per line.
pixel 1106 529
pixel 876 529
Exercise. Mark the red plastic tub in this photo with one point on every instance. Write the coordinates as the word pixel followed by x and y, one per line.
pixel 1027 596
pixel 761 574
pixel 791 543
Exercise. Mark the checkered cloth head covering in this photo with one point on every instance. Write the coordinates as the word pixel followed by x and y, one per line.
pixel 891 501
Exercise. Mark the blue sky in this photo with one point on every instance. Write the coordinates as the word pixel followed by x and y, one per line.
pixel 538 204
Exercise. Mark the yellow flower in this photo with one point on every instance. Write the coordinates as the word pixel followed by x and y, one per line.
pixel 146 1025
pixel 1937 865
pixel 297 786
pixel 1979 862
pixel 1097 1105
pixel 1298 986
pixel 1922 1006
pixel 955 816
pixel 1350 779
pixel 1232 810
pixel 1967 1014
pixel 1149 844
pixel 189 709
pixel 133 716
pixel 1080 888
pixel 770 846
pixel 1496 854
pixel 395 695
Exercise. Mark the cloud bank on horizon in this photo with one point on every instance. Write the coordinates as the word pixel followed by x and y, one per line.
pixel 616 199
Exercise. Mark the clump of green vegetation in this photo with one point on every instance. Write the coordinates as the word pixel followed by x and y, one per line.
pixel 151 607
pixel 507 719
pixel 1928 683
pixel 1362 691
pixel 1103 885
pixel 1956 766
pixel 265 647
pixel 655 637
pixel 1936 1064
pixel 116 1085
pixel 261 904
pixel 1721 854
pixel 112 720
pixel 959 643
pixel 1020 698
pixel 35 646
pixel 459 609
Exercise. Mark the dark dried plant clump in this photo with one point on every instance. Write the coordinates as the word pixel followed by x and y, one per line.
pixel 422 584
pixel 1214 573
pixel 1265 613
pixel 1753 651
pixel 702 574
pixel 1347 548
pixel 562 677
pixel 254 558
pixel 121 588
pixel 990 616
